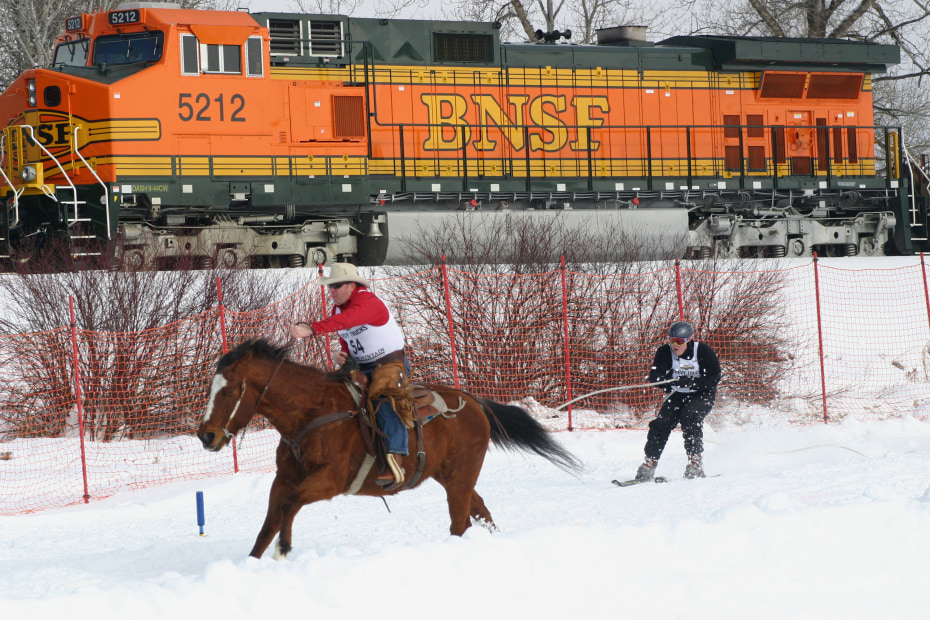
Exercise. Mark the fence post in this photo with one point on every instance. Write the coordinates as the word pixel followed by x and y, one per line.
pixel 219 297
pixel 78 398
pixel 681 302
pixel 823 374
pixel 923 268
pixel 329 352
pixel 566 344
pixel 448 297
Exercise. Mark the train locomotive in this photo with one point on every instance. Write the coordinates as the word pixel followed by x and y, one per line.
pixel 287 139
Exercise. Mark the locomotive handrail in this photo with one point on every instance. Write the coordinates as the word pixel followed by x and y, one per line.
pixel 16 192
pixel 914 210
pixel 822 160
pixel 106 194
pixel 64 174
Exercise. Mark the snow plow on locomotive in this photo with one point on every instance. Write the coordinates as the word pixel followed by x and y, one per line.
pixel 294 139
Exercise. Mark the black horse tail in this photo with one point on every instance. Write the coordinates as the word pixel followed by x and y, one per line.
pixel 513 428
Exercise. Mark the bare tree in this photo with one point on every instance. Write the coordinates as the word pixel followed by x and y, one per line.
pixel 522 18
pixel 900 98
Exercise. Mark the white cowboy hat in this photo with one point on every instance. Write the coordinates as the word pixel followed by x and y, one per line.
pixel 344 272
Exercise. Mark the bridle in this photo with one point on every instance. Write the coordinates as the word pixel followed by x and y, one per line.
pixel 261 396
pixel 294 444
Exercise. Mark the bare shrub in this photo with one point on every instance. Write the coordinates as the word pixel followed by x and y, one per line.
pixel 741 313
pixel 507 314
pixel 142 336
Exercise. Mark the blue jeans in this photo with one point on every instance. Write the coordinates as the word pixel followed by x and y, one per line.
pixel 391 425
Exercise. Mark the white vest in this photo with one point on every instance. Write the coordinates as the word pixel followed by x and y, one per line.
pixel 685 367
pixel 369 343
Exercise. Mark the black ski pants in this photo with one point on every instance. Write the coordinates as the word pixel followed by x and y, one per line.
pixel 689 410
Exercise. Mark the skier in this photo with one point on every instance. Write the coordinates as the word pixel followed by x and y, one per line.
pixel 696 372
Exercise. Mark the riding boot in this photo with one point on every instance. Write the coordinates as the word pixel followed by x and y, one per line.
pixel 394 475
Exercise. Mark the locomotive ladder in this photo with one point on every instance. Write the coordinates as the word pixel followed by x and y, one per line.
pixel 83 238
pixel 920 231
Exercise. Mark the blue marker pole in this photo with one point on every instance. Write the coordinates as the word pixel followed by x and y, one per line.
pixel 200 517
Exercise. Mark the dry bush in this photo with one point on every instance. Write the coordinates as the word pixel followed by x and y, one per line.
pixel 142 337
pixel 741 313
pixel 507 313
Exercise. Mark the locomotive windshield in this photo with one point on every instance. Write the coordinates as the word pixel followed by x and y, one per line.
pixel 72 53
pixel 125 49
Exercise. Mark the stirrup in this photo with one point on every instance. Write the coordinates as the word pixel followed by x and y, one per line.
pixel 396 471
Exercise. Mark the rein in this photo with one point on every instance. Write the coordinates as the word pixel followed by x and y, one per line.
pixel 294 444
pixel 259 402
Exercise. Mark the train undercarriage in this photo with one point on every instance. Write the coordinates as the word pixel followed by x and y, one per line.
pixel 697 225
pixel 675 224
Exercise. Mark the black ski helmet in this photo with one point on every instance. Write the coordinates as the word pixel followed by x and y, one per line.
pixel 680 329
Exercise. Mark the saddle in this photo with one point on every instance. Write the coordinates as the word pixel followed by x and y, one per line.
pixel 419 405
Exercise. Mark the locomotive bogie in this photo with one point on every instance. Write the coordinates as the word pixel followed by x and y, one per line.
pixel 292 139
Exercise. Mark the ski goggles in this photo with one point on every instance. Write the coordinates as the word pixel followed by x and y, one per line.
pixel 678 341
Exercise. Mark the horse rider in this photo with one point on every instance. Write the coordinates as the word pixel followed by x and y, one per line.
pixel 696 372
pixel 369 335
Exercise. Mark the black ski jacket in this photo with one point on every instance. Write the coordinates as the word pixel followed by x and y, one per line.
pixel 706 358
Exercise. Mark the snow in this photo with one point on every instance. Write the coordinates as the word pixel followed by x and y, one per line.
pixel 800 519
pixel 815 521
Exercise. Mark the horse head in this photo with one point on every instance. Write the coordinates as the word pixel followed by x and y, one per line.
pixel 233 399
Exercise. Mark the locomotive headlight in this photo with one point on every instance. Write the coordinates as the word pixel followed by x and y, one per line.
pixel 28 174
pixel 31 87
pixel 32 101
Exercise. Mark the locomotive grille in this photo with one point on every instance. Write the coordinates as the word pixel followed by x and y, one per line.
pixel 348 117
pixel 285 36
pixel 463 47
pixel 325 38
pixel 783 85
pixel 824 86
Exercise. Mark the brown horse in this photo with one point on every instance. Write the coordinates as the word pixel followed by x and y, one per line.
pixel 323 451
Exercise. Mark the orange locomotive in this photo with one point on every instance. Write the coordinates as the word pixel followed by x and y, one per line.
pixel 292 139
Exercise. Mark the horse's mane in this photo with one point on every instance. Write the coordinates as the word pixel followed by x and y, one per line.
pixel 261 348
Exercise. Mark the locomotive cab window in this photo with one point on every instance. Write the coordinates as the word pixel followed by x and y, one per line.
pixel 127 49
pixel 197 57
pixel 254 67
pixel 220 58
pixel 72 53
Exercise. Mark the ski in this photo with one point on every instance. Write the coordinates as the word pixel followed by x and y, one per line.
pixel 629 483
pixel 657 480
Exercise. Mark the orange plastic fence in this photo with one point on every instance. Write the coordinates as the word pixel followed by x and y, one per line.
pixel 803 344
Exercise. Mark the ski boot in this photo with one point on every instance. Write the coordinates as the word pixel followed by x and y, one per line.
pixel 647 470
pixel 695 467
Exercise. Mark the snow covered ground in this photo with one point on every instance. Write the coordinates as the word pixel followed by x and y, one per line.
pixel 819 521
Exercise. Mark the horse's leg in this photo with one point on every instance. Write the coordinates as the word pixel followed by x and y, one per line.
pixel 288 512
pixel 479 512
pixel 321 485
pixel 460 495
pixel 280 489
pixel 459 506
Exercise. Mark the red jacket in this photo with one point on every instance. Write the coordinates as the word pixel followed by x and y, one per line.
pixel 362 308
